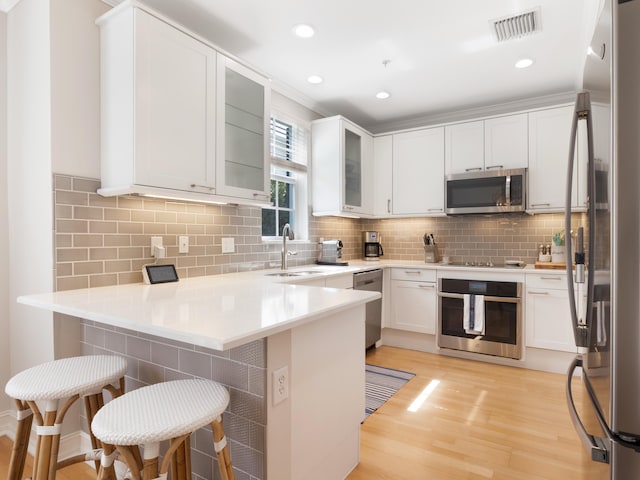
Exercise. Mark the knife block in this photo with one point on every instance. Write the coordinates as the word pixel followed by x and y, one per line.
pixel 431 254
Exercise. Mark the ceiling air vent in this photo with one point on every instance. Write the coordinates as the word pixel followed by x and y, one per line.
pixel 516 26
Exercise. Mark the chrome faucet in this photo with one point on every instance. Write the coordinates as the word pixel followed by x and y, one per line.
pixel 286 233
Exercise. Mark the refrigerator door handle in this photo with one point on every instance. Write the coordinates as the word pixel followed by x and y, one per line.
pixel 598 447
pixel 580 328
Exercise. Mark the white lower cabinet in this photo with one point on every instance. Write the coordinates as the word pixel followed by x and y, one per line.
pixel 413 300
pixel 547 317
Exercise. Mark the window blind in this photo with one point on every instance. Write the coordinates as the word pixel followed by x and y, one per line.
pixel 288 144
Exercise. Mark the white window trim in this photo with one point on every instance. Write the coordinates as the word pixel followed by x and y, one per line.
pixel 302 182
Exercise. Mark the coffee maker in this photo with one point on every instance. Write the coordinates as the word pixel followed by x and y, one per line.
pixel 371 246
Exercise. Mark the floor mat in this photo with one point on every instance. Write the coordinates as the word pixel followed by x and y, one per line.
pixel 380 384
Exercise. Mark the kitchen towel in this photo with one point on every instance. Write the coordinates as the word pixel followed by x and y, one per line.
pixel 473 314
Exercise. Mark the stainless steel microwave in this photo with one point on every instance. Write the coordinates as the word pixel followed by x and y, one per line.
pixel 494 191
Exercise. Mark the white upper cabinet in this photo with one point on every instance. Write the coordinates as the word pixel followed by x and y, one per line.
pixel 160 104
pixel 158 95
pixel 549 142
pixel 493 144
pixel 242 166
pixel 506 142
pixel 382 174
pixel 418 172
pixel 464 147
pixel 342 168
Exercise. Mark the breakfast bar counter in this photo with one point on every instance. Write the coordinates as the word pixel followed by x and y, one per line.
pixel 295 410
pixel 218 312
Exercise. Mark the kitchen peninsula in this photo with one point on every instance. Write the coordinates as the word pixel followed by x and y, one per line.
pixel 313 336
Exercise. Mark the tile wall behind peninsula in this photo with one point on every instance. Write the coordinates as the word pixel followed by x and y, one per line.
pixel 103 241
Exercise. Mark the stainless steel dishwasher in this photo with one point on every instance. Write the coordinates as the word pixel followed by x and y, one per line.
pixel 371 280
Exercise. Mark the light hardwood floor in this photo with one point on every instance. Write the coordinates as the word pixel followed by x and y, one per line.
pixel 482 421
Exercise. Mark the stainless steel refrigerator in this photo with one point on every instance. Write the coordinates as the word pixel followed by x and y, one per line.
pixel 605 304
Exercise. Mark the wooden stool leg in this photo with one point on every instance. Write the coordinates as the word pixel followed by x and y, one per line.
pixel 21 443
pixel 222 450
pixel 150 456
pixel 131 457
pixel 42 458
pixel 106 470
pixel 181 461
pixel 92 404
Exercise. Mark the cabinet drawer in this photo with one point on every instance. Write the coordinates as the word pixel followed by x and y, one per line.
pixel 340 281
pixel 547 281
pixel 415 274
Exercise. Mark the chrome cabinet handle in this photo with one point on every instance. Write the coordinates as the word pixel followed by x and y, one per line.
pixel 555 279
pixel 413 272
pixel 475 169
pixel 262 195
pixel 195 185
pixel 531 292
pixel 426 285
pixel 489 167
pixel 434 210
pixel 540 204
pixel 389 205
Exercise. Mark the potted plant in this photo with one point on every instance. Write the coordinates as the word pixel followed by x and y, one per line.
pixel 557 247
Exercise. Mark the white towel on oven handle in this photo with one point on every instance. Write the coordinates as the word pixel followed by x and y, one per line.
pixel 473 325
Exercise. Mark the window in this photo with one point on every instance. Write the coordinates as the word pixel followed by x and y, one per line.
pixel 283 193
pixel 288 180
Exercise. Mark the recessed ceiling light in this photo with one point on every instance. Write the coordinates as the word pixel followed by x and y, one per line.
pixel 304 31
pixel 382 95
pixel 524 63
pixel 315 79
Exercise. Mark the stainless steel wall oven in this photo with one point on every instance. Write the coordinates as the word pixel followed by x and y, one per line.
pixel 502 331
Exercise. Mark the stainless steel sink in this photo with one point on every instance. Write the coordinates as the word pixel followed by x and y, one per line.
pixel 295 273
pixel 283 274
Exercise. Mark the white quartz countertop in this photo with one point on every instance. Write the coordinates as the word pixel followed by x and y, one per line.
pixel 218 312
pixel 225 311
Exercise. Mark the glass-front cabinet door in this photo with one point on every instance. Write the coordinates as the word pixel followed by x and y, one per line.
pixel 352 169
pixel 242 166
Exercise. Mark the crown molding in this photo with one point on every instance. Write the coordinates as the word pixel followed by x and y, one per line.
pixel 438 118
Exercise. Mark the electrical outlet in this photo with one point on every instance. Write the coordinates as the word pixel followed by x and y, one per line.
pixel 280 380
pixel 157 250
pixel 183 244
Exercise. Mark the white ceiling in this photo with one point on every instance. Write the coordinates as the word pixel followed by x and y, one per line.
pixel 443 56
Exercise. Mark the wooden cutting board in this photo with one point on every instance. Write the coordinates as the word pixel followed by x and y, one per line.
pixel 551 265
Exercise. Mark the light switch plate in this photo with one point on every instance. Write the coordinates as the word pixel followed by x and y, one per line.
pixel 183 244
pixel 228 245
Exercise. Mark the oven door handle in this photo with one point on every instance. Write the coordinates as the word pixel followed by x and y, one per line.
pixel 486 298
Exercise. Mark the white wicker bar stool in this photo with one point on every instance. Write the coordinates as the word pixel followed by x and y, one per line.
pixel 56 386
pixel 163 411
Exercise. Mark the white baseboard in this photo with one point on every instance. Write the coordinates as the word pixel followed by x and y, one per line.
pixel 8 424
pixel 71 444
pixel 533 358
